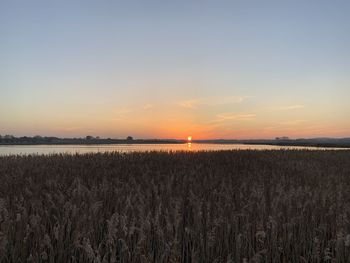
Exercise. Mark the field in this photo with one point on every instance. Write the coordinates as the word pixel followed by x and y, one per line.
pixel 228 206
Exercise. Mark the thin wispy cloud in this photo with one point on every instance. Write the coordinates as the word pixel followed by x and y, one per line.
pixel 287 125
pixel 288 107
pixel 231 116
pixel 210 101
pixel 147 106
pixel 190 104
pixel 293 107
pixel 293 122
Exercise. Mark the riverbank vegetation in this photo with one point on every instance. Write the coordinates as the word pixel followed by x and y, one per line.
pixel 227 206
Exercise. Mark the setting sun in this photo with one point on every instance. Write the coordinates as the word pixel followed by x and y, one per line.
pixel 189 138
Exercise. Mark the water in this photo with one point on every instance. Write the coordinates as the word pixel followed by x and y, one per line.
pixel 81 149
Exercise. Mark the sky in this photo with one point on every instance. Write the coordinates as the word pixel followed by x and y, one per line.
pixel 170 69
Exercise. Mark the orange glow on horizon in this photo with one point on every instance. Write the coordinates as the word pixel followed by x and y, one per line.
pixel 189 138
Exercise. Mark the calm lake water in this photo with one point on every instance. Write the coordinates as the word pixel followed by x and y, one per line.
pixel 81 149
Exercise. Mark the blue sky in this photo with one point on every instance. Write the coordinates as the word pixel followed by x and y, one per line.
pixel 212 69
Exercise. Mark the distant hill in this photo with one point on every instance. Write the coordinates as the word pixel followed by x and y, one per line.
pixel 317 142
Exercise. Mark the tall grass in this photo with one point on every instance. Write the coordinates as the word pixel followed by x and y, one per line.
pixel 229 206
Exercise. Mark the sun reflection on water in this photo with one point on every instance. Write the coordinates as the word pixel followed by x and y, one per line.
pixel 189 146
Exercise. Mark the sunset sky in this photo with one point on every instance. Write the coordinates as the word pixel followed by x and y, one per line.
pixel 170 69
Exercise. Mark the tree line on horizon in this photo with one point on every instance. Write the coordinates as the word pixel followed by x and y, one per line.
pixel 51 139
pixel 89 139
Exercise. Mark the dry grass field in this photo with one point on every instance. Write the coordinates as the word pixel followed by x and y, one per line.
pixel 228 206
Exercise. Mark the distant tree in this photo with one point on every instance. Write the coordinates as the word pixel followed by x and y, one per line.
pixel 89 137
pixel 37 138
pixel 129 138
pixel 282 138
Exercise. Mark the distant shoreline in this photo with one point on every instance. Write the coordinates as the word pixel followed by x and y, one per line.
pixel 93 142
pixel 321 143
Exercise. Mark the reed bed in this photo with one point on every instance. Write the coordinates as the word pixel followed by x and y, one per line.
pixel 226 206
